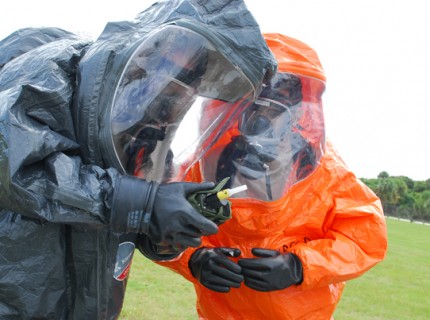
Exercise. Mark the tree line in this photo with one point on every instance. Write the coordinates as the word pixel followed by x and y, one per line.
pixel 401 196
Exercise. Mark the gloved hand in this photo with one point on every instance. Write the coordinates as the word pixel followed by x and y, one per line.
pixel 174 220
pixel 157 252
pixel 272 270
pixel 214 270
pixel 161 211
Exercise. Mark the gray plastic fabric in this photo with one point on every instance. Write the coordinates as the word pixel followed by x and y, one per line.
pixel 58 253
pixel 48 265
pixel 26 39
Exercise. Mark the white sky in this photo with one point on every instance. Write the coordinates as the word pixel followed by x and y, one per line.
pixel 376 54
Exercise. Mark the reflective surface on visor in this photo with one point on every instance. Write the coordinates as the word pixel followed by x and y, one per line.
pixel 279 140
pixel 164 88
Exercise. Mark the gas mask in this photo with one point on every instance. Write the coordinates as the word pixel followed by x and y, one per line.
pixel 160 97
pixel 270 152
pixel 143 86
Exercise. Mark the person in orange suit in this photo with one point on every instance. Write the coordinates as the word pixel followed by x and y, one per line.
pixel 304 226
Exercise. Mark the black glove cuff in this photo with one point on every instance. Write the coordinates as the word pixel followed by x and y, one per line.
pixel 150 250
pixel 130 204
pixel 144 224
pixel 297 269
pixel 192 263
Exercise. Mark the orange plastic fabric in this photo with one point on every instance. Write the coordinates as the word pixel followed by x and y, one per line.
pixel 331 220
pixel 294 56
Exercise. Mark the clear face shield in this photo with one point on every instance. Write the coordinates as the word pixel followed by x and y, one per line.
pixel 279 140
pixel 160 99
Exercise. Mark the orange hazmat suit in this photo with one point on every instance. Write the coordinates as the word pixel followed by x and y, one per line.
pixel 329 219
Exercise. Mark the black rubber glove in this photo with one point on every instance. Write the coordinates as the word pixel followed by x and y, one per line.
pixel 157 252
pixel 214 270
pixel 161 211
pixel 271 270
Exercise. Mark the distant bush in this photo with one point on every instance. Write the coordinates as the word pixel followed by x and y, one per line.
pixel 402 197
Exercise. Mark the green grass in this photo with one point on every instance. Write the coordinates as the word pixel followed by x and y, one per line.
pixel 398 288
pixel 157 293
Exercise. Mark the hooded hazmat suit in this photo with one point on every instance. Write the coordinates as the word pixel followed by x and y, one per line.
pixel 68 211
pixel 323 214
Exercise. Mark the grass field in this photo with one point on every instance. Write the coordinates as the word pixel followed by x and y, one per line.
pixel 396 289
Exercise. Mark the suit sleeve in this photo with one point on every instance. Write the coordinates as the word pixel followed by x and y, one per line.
pixel 42 175
pixel 355 239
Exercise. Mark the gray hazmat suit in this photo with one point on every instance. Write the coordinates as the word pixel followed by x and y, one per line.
pixel 64 252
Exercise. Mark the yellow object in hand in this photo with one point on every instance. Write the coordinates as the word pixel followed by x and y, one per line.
pixel 227 193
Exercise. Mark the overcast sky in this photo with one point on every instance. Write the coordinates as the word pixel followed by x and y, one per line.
pixel 376 55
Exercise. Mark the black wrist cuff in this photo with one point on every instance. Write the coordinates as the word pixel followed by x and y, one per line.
pixel 298 269
pixel 144 224
pixel 150 250
pixel 130 204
